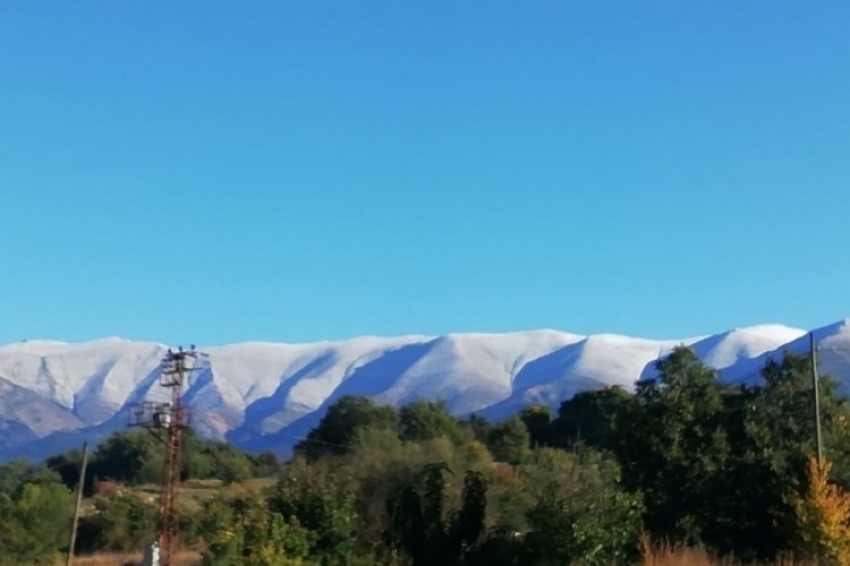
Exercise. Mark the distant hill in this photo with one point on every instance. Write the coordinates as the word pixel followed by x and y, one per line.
pixel 267 395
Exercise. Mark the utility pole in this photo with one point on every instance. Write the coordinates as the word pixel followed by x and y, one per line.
pixel 80 485
pixel 166 421
pixel 814 357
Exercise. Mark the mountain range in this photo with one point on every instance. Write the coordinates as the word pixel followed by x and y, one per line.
pixel 266 396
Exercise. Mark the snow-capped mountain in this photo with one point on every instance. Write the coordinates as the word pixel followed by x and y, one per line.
pixel 266 395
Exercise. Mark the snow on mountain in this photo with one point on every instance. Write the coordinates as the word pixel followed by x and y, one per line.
pixel 734 349
pixel 280 382
pixel 727 349
pixel 833 350
pixel 473 371
pixel 590 363
pixel 91 380
pixel 25 415
pixel 468 371
pixel 266 395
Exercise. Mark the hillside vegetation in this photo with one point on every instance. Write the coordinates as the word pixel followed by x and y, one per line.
pixel 684 466
pixel 265 396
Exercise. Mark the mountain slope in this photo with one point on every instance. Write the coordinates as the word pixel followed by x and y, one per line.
pixel 833 350
pixel 266 396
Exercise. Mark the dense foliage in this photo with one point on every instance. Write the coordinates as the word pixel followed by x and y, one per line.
pixel 685 459
pixel 34 515
pixel 134 457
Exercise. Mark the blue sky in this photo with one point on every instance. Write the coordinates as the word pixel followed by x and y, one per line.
pixel 294 171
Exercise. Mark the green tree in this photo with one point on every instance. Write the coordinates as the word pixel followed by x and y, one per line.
pixel 509 441
pixel 68 465
pixel 380 463
pixel 265 464
pixel 209 459
pixel 15 473
pixel 425 420
pixel 591 418
pixel 195 461
pixel 479 426
pixel 780 421
pixel 594 527
pixel 321 504
pixel 35 522
pixel 119 522
pixel 243 531
pixel 338 427
pixel 419 526
pixel 773 435
pixel 538 421
pixel 130 457
pixel 676 446
pixel 225 462
pixel 563 508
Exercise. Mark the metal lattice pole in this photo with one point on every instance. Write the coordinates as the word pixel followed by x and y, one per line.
pixel 170 419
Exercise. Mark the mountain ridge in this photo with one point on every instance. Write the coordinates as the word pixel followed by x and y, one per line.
pixel 264 395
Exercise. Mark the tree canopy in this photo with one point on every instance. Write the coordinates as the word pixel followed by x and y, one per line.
pixel 684 458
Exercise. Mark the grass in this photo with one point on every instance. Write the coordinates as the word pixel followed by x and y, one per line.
pixel 194 492
pixel 185 558
pixel 659 554
pixel 665 554
pixel 654 555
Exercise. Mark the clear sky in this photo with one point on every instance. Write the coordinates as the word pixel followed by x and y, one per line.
pixel 214 172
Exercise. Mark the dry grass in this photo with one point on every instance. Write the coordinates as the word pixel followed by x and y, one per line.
pixel 658 554
pixel 665 554
pixel 186 558
pixel 194 492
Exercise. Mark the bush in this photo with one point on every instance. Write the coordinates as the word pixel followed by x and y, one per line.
pixel 35 522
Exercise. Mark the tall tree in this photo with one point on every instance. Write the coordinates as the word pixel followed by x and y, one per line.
pixel 676 444
pixel 538 421
pixel 774 437
pixel 422 529
pixel 130 456
pixel 339 426
pixel 509 441
pixel 590 418
pixel 243 531
pixel 424 420
pixel 321 504
pixel 35 522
